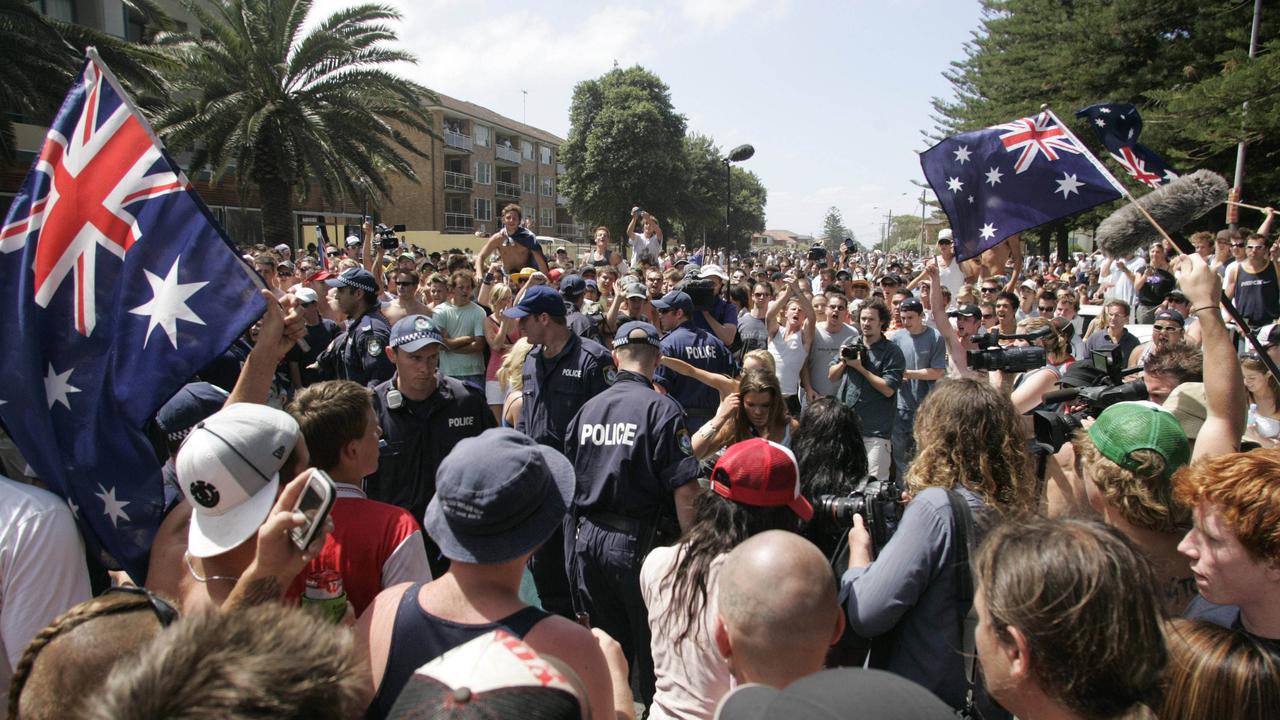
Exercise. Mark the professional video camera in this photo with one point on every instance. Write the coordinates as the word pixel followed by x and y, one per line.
pixel 1013 359
pixel 879 503
pixel 856 349
pixel 818 254
pixel 702 291
pixel 1099 384
pixel 387 236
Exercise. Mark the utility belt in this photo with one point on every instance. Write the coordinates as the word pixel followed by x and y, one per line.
pixel 661 530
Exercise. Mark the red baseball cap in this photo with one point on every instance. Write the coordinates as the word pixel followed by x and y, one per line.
pixel 761 473
pixel 319 276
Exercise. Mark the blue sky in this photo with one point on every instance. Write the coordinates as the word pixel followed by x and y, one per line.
pixel 833 95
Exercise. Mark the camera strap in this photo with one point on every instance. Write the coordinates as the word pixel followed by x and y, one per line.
pixel 968 618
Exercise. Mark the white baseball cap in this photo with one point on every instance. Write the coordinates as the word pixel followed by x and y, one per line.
pixel 229 470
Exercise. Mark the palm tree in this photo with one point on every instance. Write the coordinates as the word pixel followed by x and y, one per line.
pixel 41 55
pixel 283 110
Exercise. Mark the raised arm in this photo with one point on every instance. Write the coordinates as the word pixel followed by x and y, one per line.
pixel 779 303
pixel 1224 387
pixel 489 246
pixel 723 385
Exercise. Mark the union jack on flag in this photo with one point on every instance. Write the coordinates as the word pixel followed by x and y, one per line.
pixel 118 287
pixel 1119 126
pixel 999 181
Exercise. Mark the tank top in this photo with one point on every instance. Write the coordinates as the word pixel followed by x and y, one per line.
pixel 789 354
pixel 418 637
pixel 1257 294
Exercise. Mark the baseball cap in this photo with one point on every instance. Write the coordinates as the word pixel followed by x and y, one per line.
pixel 306 295
pixel 354 277
pixel 627 334
pixel 912 305
pixel 591 285
pixel 1269 335
pixel 1029 284
pixel 352 240
pixel 890 279
pixel 1171 315
pixel 319 276
pixel 968 310
pixel 944 234
pixel 859 282
pixel 192 403
pixel 493 675
pixel 555 274
pixel 498 495
pixel 1189 406
pixel 761 473
pixel 414 332
pixel 714 271
pixel 1140 425
pixel 843 274
pixel 538 299
pixel 229 470
pixel 282 247
pixel 675 300
pixel 829 694
pixel 571 286
pixel 636 290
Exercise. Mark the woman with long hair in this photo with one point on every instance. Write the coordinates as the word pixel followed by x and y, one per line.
pixel 971 443
pixel 510 377
pixel 1264 395
pixel 829 463
pixel 757 409
pixel 678 582
pixel 1217 672
pixel 500 333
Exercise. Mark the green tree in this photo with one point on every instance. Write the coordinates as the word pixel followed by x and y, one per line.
pixel 833 229
pixel 41 56
pixel 904 233
pixel 702 202
pixel 288 110
pixel 625 148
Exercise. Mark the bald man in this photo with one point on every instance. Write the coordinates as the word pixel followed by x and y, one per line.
pixel 778 610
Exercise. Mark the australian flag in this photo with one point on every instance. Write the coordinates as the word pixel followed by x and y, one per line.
pixel 117 287
pixel 1118 126
pixel 997 182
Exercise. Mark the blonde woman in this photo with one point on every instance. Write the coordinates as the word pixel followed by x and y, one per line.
pixel 510 377
pixel 500 333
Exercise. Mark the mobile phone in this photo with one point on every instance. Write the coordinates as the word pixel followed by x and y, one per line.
pixel 315 503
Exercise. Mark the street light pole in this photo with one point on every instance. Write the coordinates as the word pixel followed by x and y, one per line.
pixel 738 154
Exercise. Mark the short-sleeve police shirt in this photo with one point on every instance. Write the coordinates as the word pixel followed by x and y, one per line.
pixel 363 357
pixel 630 449
pixel 703 350
pixel 555 389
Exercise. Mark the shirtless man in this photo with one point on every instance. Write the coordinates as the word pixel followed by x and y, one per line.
pixel 992 262
pixel 516 245
pixel 406 301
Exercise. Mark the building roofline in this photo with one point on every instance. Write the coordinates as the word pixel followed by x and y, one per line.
pixel 479 112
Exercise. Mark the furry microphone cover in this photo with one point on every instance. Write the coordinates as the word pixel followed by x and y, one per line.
pixel 1173 206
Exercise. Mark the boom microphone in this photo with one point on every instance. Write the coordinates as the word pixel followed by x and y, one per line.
pixel 1173 206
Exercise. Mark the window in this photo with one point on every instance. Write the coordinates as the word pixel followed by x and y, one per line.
pixel 548 217
pixel 484 173
pixel 527 184
pixel 526 149
pixel 64 10
pixel 546 187
pixel 544 155
pixel 484 209
pixel 481 135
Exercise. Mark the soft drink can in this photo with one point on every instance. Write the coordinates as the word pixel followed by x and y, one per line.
pixel 324 592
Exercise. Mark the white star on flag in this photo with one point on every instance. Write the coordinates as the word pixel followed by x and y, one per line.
pixel 57 387
pixel 994 176
pixel 962 154
pixel 988 231
pixel 168 304
pixel 1170 176
pixel 1067 185
pixel 112 507
pixel 970 198
pixel 954 184
pixel 1100 122
pixel 1105 110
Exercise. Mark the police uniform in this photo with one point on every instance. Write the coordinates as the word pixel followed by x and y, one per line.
pixel 556 388
pixel 362 353
pixel 631 450
pixel 701 349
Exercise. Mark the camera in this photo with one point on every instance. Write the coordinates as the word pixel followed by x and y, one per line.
pixel 818 254
pixel 1103 386
pixel 387 236
pixel 1014 359
pixel 702 291
pixel 636 212
pixel 855 350
pixel 878 502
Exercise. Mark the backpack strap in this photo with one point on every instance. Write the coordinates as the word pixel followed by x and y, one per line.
pixel 967 617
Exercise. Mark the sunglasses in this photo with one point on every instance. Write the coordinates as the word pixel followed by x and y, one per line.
pixel 944 242
pixel 987 290
pixel 166 613
pixel 1237 244
pixel 334 253
pixel 988 316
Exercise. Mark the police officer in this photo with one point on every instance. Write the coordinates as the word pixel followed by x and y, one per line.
pixel 423 414
pixel 561 373
pixel 573 288
pixel 359 354
pixel 695 346
pixel 636 477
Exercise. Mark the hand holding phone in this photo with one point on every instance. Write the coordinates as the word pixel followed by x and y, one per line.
pixel 314 503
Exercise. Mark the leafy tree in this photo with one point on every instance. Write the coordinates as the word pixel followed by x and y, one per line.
pixel 833 229
pixel 625 148
pixel 41 56
pixel 287 110
pixel 904 233
pixel 702 203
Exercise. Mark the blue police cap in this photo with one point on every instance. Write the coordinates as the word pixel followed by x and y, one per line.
pixel 571 286
pixel 675 300
pixel 627 334
pixel 356 278
pixel 191 404
pixel 538 299
pixel 414 332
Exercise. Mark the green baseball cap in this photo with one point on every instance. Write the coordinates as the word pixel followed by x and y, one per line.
pixel 1128 426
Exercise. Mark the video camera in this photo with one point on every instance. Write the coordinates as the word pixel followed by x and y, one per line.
pixel 817 254
pixel 878 502
pixel 387 236
pixel 702 291
pixel 1014 359
pixel 1103 385
pixel 855 350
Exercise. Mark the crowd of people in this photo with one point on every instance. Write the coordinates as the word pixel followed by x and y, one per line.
pixel 657 481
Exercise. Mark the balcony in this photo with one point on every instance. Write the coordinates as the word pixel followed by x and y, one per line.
pixel 458 222
pixel 562 201
pixel 457 182
pixel 506 190
pixel 565 230
pixel 506 154
pixel 457 140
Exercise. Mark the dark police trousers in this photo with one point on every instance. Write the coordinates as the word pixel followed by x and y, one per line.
pixel 605 573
